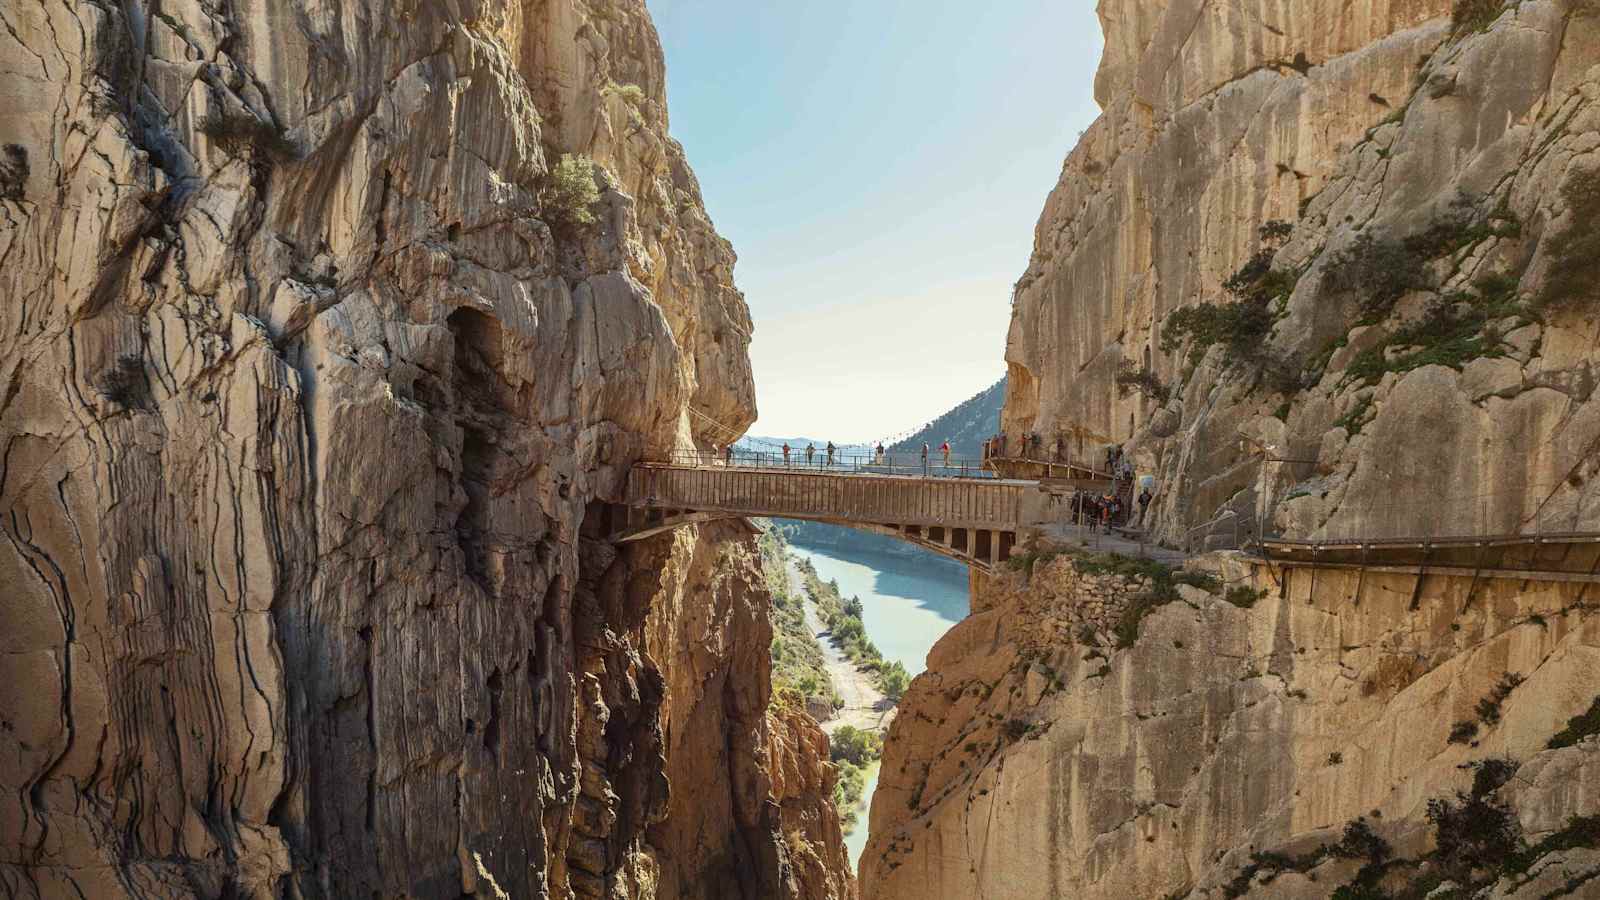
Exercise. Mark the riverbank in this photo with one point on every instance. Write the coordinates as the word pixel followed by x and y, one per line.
pixel 907 605
pixel 865 707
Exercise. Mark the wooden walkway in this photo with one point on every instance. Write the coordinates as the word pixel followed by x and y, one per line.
pixel 1570 557
pixel 973 520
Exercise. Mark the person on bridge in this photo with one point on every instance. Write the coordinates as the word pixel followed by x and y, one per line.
pixel 924 459
pixel 945 449
pixel 878 457
pixel 786 453
pixel 830 453
pixel 728 452
pixel 1144 505
pixel 811 451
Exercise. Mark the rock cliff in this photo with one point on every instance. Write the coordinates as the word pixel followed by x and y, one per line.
pixel 1301 230
pixel 1259 735
pixel 324 328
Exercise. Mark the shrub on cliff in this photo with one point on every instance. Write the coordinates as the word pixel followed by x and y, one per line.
pixel 1132 378
pixel 856 745
pixel 123 383
pixel 237 131
pixel 1578 727
pixel 1575 252
pixel 893 680
pixel 570 191
pixel 1474 15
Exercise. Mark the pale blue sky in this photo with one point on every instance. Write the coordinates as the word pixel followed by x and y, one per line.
pixel 879 166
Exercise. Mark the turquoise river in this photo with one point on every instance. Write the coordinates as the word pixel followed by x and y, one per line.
pixel 908 603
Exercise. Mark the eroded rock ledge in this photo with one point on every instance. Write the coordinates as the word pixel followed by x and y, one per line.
pixel 1260 736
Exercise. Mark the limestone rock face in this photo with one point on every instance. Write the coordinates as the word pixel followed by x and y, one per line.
pixel 1218 753
pixel 1432 175
pixel 311 374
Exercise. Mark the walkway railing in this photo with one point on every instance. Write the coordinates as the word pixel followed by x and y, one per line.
pixel 855 463
pixel 972 503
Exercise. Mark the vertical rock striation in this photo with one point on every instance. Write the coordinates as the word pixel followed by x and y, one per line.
pixel 1427 165
pixel 309 376
pixel 1224 750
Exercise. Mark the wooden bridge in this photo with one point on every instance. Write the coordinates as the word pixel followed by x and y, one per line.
pixel 972 520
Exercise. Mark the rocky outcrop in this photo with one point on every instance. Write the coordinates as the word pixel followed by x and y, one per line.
pixel 313 366
pixel 1249 745
pixel 1382 206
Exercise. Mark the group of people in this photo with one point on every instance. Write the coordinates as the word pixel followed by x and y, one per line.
pixel 1103 512
pixel 1028 445
pixel 829 454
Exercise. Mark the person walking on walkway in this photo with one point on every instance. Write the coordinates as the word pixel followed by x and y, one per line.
pixel 830 453
pixel 945 449
pixel 924 459
pixel 879 457
pixel 786 454
pixel 1144 505
pixel 728 453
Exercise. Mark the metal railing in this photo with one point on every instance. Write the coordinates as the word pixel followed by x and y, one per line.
pixel 1459 518
pixel 836 463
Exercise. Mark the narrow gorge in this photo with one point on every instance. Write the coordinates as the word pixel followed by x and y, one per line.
pixel 378 517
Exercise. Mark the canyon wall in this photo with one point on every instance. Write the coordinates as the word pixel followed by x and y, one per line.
pixel 317 355
pixel 1387 203
pixel 1226 750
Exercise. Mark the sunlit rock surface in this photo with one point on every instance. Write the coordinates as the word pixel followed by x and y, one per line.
pixel 1026 765
pixel 1386 122
pixel 306 388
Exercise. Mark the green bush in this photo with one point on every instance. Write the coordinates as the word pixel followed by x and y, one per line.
pixel 1488 708
pixel 857 745
pixel 1260 293
pixel 1455 331
pixel 629 92
pixel 1578 727
pixel 1132 378
pixel 1574 275
pixel 124 384
pixel 1463 732
pixel 1379 271
pixel 1360 842
pixel 1473 832
pixel 893 681
pixel 1239 327
pixel 570 191
pixel 1474 15
pixel 1243 597
pixel 13 171
pixel 238 131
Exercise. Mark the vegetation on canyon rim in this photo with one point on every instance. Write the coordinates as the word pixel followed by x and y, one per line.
pixel 570 192
pixel 853 750
pixel 799 672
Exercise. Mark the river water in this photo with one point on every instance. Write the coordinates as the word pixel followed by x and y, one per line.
pixel 907 604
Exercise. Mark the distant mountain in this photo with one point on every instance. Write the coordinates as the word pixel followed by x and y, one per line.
pixel 966 427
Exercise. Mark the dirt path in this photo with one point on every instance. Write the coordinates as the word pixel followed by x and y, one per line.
pixel 864 705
